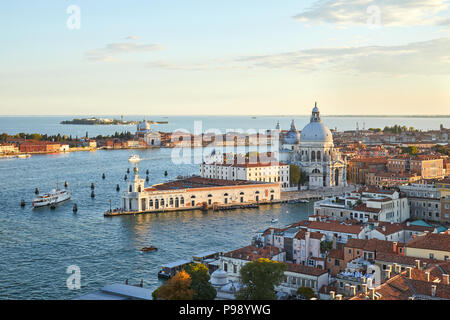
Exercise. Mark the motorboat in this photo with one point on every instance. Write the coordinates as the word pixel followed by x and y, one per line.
pixel 134 159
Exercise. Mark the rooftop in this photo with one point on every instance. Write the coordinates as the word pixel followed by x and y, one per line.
pixel 298 268
pixel 431 241
pixel 252 253
pixel 198 182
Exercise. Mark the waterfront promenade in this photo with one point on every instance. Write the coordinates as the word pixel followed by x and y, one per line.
pixel 317 193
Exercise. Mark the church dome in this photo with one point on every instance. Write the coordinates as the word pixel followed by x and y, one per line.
pixel 292 136
pixel 316 131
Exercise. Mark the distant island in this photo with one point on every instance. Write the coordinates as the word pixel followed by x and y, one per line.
pixel 104 121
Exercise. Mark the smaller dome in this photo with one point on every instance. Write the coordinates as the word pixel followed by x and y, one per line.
pixel 291 137
pixel 219 278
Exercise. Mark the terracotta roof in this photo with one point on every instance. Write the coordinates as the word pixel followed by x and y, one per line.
pixel 403 260
pixel 371 245
pixel 251 253
pixel 331 225
pixel 299 268
pixel 400 287
pixel 198 182
pixel 363 208
pixel 432 241
pixel 336 254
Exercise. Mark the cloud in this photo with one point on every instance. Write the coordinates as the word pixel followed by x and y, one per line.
pixel 427 57
pixel 386 12
pixel 162 64
pixel 131 38
pixel 111 50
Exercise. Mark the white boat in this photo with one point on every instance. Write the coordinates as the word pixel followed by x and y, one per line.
pixel 23 156
pixel 134 158
pixel 274 220
pixel 53 197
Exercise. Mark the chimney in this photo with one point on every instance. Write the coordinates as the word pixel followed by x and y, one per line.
pixel 433 291
pixel 372 294
pixel 332 294
pixel 353 291
pixel 395 267
pixel 418 264
pixel 409 272
pixel 364 288
pixel 347 289
pixel 339 297
pixel 445 279
pixel 427 276
pixel 384 228
pixel 388 274
pixel 394 247
pixel 369 282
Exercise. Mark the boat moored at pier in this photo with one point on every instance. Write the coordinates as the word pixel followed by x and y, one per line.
pixel 169 270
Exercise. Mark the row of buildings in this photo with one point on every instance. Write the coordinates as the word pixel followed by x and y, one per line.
pixel 342 259
pixel 400 169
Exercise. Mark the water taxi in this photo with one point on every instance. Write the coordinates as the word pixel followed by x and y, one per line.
pixel 134 159
pixel 149 249
pixel 23 156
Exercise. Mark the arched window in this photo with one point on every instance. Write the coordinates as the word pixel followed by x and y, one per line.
pixel 313 156
pixel 131 188
pixel 318 156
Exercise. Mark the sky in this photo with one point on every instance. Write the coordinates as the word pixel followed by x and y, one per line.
pixel 207 57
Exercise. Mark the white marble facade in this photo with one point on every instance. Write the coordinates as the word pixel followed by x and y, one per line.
pixel 315 153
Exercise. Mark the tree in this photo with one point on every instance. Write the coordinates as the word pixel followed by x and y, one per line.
pixel 412 150
pixel 203 290
pixel 326 246
pixel 303 178
pixel 259 279
pixel 176 288
pixel 306 293
pixel 294 173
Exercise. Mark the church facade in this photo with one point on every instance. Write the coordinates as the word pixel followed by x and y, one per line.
pixel 314 153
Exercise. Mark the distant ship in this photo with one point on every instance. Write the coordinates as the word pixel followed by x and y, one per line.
pixel 52 198
pixel 134 159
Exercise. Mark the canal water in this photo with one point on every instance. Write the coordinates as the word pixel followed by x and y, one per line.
pixel 37 246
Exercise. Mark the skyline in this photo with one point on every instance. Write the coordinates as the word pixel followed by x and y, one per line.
pixel 202 58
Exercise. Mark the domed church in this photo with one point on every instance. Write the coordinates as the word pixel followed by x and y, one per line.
pixel 316 154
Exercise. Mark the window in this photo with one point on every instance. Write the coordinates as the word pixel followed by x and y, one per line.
pixel 431 256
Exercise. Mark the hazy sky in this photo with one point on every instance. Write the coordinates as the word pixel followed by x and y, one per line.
pixel 224 57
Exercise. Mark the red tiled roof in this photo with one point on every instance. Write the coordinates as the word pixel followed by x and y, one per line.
pixel 336 254
pixel 363 208
pixel 331 225
pixel 251 253
pixel 371 245
pixel 431 241
pixel 298 268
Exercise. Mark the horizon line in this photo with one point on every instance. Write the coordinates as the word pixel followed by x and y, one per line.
pixel 236 115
